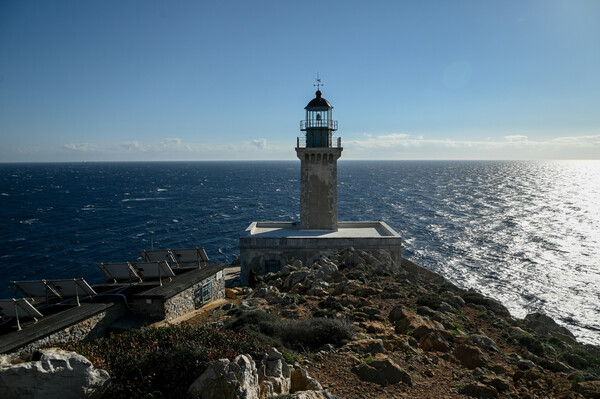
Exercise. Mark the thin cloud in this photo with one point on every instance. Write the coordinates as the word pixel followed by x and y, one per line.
pixel 396 145
pixel 80 147
pixel 261 144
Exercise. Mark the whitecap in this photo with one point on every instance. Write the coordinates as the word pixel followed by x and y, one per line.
pixel 175 221
pixel 161 189
pixel 5 195
pixel 29 221
pixel 141 199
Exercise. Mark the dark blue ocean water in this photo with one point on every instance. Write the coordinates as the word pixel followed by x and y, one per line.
pixel 527 233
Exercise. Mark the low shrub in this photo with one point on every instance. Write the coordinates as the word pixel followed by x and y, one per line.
pixel 534 345
pixel 164 360
pixel 257 320
pixel 315 332
pixel 307 334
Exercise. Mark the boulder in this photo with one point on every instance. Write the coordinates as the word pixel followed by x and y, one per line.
pixel 365 346
pixel 400 312
pixel 501 384
pixel 301 381
pixel 382 371
pixel 228 380
pixel 479 390
pixel 373 327
pixel 253 303
pixel 267 292
pixel 472 296
pixel 241 379
pixel 57 374
pixel 274 374
pixel 364 291
pixel 313 395
pixel 575 360
pixel 589 389
pixel 433 341
pixel 545 326
pixel 326 272
pixel 524 364
pixel 415 325
pixel 446 307
pixel 295 278
pixel 470 356
pixel 318 288
pixel 483 341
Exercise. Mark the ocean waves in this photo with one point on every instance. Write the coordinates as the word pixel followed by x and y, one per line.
pixel 526 233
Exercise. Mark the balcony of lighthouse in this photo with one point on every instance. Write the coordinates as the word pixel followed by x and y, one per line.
pixel 317 123
pixel 331 142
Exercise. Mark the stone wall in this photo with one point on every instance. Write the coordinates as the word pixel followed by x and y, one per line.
pixel 92 327
pixel 181 303
pixel 318 187
pixel 191 299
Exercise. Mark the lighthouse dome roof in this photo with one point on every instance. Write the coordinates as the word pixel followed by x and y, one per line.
pixel 318 102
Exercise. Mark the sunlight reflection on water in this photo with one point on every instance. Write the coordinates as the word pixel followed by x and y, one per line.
pixel 526 233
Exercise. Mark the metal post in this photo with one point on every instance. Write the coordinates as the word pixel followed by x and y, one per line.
pixel 159 275
pixel 76 292
pixel 17 314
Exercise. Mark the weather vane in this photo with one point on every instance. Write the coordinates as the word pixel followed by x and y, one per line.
pixel 318 80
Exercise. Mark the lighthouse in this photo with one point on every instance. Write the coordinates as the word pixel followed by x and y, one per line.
pixel 318 152
pixel 267 246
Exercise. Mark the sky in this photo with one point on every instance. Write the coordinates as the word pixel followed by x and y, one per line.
pixel 229 80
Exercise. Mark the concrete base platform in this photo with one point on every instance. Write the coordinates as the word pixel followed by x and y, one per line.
pixel 268 246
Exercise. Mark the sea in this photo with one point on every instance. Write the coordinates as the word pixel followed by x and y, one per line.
pixel 525 233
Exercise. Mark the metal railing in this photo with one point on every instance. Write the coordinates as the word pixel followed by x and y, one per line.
pixel 321 123
pixel 335 142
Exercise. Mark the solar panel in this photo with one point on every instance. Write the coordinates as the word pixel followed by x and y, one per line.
pixel 154 270
pixel 158 255
pixel 72 287
pixel 18 308
pixel 194 256
pixel 119 272
pixel 36 289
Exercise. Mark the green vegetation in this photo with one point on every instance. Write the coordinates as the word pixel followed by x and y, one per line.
pixel 305 335
pixel 162 362
pixel 532 344
pixel 430 300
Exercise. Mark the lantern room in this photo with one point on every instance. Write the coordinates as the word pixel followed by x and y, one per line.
pixel 319 126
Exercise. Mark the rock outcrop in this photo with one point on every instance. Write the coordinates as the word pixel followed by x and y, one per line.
pixel 412 323
pixel 224 379
pixel 241 379
pixel 53 373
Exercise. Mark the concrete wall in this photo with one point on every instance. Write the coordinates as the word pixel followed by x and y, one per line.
pixel 255 252
pixel 318 187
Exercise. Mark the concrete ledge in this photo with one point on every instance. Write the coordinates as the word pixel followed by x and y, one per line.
pixel 370 229
pixel 180 282
pixel 268 246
